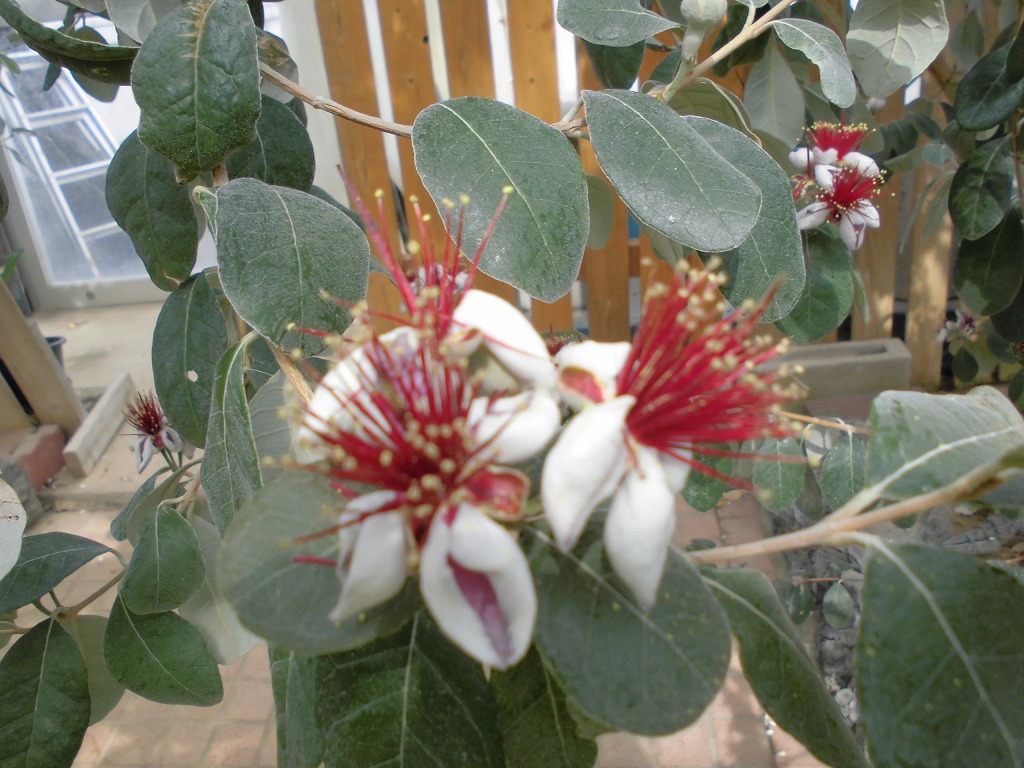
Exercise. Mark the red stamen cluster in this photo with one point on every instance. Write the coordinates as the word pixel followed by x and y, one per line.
pixel 851 190
pixel 408 430
pixel 144 414
pixel 842 138
pixel 693 370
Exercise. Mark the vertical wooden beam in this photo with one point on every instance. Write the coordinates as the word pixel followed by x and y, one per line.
pixel 12 415
pixel 534 69
pixel 467 47
pixel 607 268
pixel 876 258
pixel 34 367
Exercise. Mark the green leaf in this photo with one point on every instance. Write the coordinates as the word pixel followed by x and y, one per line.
pixel 967 40
pixel 282 153
pixel 147 202
pixel 45 711
pixel 272 433
pixel 137 18
pixel 824 48
pixel 920 442
pixel 828 293
pixel 842 471
pixel 106 63
pixel 837 607
pixel 702 491
pixel 797 599
pixel 287 257
pixel 955 698
pixel 46 559
pixel 779 482
pixel 273 52
pixel 891 42
pixel 774 100
pixel 1009 323
pixel 231 466
pixel 475 147
pixel 610 22
pixel 299 744
pixel 706 98
pixel 188 340
pixel 208 610
pixel 602 211
pixel 982 190
pixel 104 690
pixel 680 185
pixel 286 601
pixel 537 727
pixel 197 83
pixel 785 679
pixel 166 566
pixel 988 95
pixel 615 67
pixel 748 52
pixel 161 657
pixel 772 256
pixel 410 699
pixel 126 524
pixel 989 271
pixel 648 673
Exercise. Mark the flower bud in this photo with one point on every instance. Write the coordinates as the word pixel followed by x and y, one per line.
pixel 702 15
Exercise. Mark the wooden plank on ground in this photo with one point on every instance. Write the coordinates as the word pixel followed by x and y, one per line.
pixel 535 77
pixel 877 257
pixel 12 415
pixel 91 439
pixel 607 268
pixel 34 367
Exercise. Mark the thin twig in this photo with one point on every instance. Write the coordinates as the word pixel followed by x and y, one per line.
pixel 747 34
pixel 824 423
pixel 293 373
pixel 15 630
pixel 76 609
pixel 333 107
pixel 832 530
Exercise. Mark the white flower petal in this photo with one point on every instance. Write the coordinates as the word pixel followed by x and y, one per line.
pixel 801 158
pixel 477 584
pixel 813 215
pixel 584 467
pixel 676 472
pixel 171 439
pixel 851 233
pixel 825 156
pixel 508 336
pixel 587 371
pixel 861 162
pixel 515 428
pixel 869 214
pixel 639 528
pixel 375 567
pixel 144 447
pixel 823 176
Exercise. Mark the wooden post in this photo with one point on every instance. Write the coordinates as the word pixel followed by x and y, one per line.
pixel 534 72
pixel 34 367
pixel 12 415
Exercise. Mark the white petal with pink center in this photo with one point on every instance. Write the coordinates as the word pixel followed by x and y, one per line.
pixel 813 215
pixel 584 467
pixel 854 224
pixel 515 428
pixel 508 336
pixel 477 584
pixel 587 371
pixel 639 526
pixel 801 158
pixel 144 447
pixel 862 163
pixel 374 568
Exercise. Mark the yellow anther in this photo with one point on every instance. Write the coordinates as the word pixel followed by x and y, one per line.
pixel 508 189
pixel 464 198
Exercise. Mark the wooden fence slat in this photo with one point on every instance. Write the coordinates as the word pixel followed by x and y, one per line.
pixel 877 257
pixel 607 269
pixel 467 47
pixel 12 415
pixel 532 44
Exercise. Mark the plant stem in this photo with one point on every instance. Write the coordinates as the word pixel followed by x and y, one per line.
pixel 835 528
pixel 748 33
pixel 825 423
pixel 74 610
pixel 15 630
